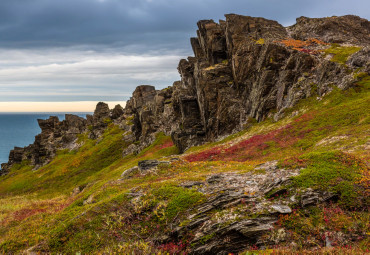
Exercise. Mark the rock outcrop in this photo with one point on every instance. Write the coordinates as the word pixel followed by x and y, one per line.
pixel 58 135
pixel 55 135
pixel 244 69
pixel 247 68
pixel 239 210
pixel 344 29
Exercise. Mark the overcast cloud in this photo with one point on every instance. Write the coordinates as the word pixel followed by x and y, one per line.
pixel 100 50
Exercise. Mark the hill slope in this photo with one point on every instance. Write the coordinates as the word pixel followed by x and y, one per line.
pixel 275 133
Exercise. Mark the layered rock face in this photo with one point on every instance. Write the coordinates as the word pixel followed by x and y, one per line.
pixel 242 69
pixel 343 29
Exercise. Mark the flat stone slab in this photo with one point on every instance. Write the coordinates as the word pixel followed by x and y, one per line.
pixel 147 164
pixel 282 208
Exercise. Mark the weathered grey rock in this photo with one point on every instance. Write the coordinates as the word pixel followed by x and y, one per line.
pixel 360 60
pixel 214 178
pixel 235 237
pixel 342 29
pixel 129 172
pixel 212 41
pixel 283 209
pixel 74 124
pixel 191 184
pixel 220 229
pixel 145 165
pixel 117 112
pixel 89 200
pixel 309 197
pixel 174 159
pixel 48 125
pixel 100 120
pixel 54 135
pixel 76 191
pixel 131 149
pixel 140 97
pixel 102 111
pixel 148 112
pixel 220 91
pixel 268 166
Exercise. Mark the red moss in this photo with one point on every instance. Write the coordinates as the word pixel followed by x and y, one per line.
pixel 34 209
pixel 174 248
pixel 247 149
pixel 257 146
pixel 167 144
pixel 25 213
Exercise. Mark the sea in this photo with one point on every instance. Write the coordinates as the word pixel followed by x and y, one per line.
pixel 20 129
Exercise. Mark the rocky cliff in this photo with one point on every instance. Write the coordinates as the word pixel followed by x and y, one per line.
pixel 244 69
pixel 247 69
pixel 295 180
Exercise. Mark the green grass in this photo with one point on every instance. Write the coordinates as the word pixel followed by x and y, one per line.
pixel 341 53
pixel 69 168
pixel 36 206
pixel 332 171
pixel 67 225
pixel 338 122
pixel 178 199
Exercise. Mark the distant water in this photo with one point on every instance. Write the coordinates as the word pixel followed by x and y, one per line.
pixel 20 129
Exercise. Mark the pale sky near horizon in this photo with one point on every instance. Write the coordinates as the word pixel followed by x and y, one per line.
pixel 76 106
pixel 64 55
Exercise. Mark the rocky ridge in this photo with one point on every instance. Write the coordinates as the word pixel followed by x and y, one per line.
pixel 58 135
pixel 244 68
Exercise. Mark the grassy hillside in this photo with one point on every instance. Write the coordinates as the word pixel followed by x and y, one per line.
pixel 78 203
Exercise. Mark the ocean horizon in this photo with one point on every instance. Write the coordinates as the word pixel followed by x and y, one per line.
pixel 18 129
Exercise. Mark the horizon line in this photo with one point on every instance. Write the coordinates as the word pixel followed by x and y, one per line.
pixel 54 106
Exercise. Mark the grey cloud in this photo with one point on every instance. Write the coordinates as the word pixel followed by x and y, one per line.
pixel 87 74
pixel 25 23
pixel 66 50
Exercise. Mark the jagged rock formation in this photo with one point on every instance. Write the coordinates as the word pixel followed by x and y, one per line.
pixel 343 29
pixel 244 70
pixel 241 70
pixel 57 135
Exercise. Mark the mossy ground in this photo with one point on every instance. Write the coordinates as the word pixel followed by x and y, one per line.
pixel 341 53
pixel 327 138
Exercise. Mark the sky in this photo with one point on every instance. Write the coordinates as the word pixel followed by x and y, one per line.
pixel 67 55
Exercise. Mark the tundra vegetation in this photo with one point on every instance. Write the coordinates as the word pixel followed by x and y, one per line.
pixel 293 180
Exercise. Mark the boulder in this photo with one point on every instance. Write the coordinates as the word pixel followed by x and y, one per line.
pixel 117 112
pixel 283 209
pixel 75 124
pixel 129 172
pixel 89 200
pixel 146 165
